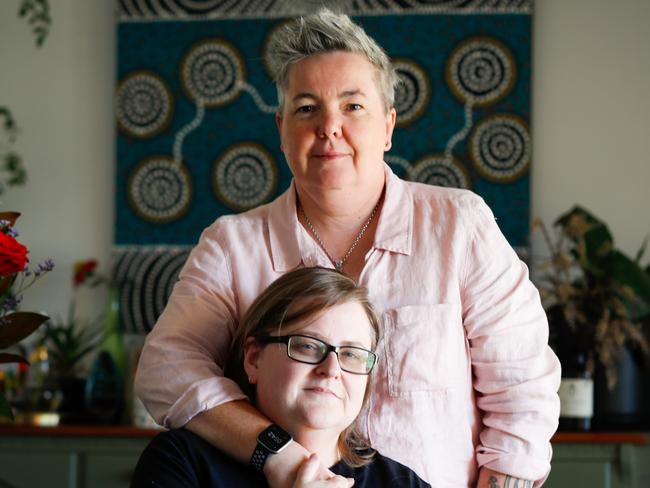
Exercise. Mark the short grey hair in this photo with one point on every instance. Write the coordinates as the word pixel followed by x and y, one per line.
pixel 323 32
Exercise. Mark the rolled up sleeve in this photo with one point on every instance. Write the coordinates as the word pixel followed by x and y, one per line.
pixel 516 374
pixel 180 372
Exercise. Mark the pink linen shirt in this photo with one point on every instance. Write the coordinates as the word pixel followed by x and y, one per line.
pixel 465 377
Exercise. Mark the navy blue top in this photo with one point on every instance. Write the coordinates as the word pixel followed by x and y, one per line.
pixel 179 458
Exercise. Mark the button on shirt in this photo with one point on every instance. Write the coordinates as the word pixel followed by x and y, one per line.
pixel 465 377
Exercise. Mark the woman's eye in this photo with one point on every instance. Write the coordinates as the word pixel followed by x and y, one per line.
pixel 354 106
pixel 305 109
pixel 352 355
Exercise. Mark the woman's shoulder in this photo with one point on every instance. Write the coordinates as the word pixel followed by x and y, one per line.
pixel 381 472
pixel 180 458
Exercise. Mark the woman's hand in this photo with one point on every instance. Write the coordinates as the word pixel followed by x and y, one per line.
pixel 281 469
pixel 310 475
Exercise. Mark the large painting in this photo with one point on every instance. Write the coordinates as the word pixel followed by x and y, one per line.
pixel 196 132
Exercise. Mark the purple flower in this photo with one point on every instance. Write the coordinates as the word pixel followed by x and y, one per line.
pixel 7 228
pixel 44 267
pixel 11 302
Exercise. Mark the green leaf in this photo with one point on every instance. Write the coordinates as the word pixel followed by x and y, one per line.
pixel 577 214
pixel 5 408
pixel 641 251
pixel 594 249
pixel 629 273
pixel 19 325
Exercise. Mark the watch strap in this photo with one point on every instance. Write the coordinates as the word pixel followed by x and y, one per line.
pixel 271 440
pixel 259 457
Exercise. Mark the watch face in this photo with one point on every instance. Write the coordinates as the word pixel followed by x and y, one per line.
pixel 274 438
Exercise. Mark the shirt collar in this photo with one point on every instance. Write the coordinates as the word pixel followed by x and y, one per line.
pixel 394 228
pixel 284 231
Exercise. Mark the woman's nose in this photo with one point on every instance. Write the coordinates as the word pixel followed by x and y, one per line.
pixel 329 125
pixel 330 366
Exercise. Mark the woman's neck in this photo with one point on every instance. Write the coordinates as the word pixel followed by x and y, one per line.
pixel 323 443
pixel 338 214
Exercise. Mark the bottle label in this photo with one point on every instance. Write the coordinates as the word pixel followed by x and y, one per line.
pixel 576 397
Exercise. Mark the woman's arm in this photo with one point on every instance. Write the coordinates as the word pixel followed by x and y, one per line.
pixel 515 373
pixel 233 429
pixel 491 479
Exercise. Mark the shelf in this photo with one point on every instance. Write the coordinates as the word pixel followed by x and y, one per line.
pixel 639 438
pixel 123 431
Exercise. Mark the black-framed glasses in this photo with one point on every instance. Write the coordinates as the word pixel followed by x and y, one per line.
pixel 306 349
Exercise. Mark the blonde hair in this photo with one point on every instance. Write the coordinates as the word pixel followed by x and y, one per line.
pixel 296 296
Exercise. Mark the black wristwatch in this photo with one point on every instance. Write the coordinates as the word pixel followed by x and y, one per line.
pixel 271 440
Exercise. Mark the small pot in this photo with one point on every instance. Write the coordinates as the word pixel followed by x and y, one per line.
pixel 627 405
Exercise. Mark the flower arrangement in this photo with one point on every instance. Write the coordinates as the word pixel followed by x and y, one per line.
pixel 15 278
pixel 596 297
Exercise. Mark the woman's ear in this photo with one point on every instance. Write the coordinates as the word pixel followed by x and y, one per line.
pixel 252 352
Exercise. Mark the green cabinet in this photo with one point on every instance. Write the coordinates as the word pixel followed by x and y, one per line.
pixel 87 457
pixel 68 461
pixel 599 466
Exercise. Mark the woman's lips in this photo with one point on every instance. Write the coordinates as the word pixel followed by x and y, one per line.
pixel 319 390
pixel 328 156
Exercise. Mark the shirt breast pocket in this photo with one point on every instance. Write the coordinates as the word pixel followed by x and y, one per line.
pixel 425 348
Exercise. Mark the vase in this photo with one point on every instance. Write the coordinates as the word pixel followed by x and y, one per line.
pixel 72 406
pixel 104 393
pixel 627 405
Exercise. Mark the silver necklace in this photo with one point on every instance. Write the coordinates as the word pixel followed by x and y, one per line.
pixel 338 263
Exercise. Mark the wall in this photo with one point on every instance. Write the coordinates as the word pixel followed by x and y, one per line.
pixel 590 125
pixel 62 99
pixel 591 74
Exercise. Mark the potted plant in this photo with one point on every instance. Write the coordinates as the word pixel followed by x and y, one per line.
pixel 69 341
pixel 597 300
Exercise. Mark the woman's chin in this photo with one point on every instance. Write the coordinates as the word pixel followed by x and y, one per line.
pixel 320 417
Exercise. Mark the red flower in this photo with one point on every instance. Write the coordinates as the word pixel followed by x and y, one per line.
pixel 83 270
pixel 13 255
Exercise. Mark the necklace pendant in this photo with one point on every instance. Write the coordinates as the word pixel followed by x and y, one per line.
pixel 338 265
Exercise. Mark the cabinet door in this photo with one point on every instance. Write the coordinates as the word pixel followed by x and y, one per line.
pixel 581 472
pixel 38 468
pixel 109 470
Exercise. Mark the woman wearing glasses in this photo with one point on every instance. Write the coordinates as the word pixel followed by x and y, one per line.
pixel 303 355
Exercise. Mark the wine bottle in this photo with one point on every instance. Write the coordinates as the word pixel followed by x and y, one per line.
pixel 576 394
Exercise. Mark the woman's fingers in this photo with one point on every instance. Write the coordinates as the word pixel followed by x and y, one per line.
pixel 307 472
pixel 310 475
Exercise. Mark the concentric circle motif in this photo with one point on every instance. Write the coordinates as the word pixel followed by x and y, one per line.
pixel 244 176
pixel 160 190
pixel 438 170
pixel 500 147
pixel 145 278
pixel 144 104
pixel 412 95
pixel 211 71
pixel 480 71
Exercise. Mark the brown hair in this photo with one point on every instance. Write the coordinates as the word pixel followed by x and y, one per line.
pixel 295 296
